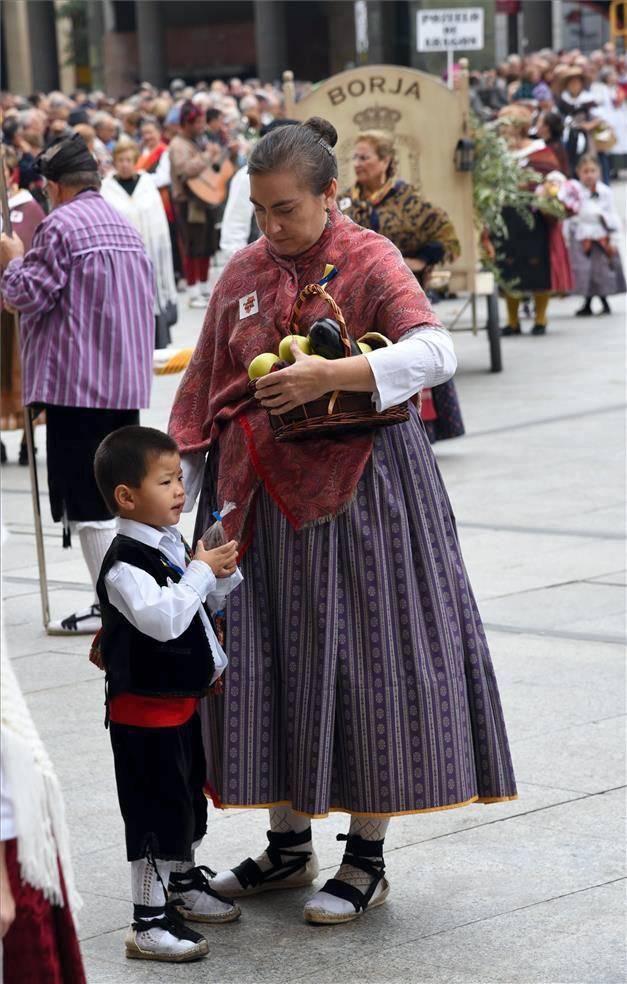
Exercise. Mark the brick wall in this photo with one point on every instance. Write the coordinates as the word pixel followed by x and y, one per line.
pixel 209 48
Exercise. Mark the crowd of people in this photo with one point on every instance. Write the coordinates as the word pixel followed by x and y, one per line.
pixel 581 99
pixel 577 104
pixel 564 118
pixel 347 592
pixel 172 136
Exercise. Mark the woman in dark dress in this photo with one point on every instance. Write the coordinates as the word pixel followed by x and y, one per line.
pixel 533 259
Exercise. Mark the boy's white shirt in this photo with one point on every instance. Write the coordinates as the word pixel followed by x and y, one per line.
pixel 165 612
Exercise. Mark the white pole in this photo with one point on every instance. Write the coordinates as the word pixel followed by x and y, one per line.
pixel 449 68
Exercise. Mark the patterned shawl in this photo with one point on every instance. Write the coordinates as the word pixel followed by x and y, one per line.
pixel 313 480
pixel 398 211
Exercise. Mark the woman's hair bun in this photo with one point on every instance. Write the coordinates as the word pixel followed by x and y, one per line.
pixel 322 128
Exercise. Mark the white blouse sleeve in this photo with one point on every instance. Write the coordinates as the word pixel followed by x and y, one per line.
pixel 224 586
pixel 238 214
pixel 193 467
pixel 423 357
pixel 161 176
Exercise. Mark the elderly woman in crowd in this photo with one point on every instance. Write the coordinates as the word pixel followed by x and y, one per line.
pixel 360 678
pixel 383 202
pixel 135 196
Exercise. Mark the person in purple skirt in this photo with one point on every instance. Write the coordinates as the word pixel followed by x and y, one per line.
pixel 360 679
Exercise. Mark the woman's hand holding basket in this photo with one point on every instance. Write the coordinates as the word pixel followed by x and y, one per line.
pixel 309 378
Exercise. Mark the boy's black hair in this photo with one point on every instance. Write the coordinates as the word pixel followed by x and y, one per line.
pixel 122 458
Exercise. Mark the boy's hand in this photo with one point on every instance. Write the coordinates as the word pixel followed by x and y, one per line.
pixel 221 560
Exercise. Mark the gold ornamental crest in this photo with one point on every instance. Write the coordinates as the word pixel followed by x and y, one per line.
pixel 377 118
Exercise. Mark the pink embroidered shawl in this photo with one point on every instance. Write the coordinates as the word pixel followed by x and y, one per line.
pixel 313 480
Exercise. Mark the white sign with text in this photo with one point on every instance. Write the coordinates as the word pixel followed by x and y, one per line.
pixel 452 29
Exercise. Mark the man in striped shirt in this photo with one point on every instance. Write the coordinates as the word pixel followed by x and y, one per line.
pixel 85 291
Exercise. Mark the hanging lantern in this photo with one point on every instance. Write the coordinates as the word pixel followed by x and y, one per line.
pixel 465 155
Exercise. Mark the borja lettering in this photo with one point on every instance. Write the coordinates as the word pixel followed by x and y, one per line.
pixel 374 84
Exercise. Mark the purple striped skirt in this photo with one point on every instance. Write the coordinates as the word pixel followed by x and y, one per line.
pixel 360 678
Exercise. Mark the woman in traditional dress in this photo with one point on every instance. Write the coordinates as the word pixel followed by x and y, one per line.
pixel 25 214
pixel 154 159
pixel 532 259
pixel 360 679
pixel 37 894
pixel 576 104
pixel 422 232
pixel 550 128
pixel 135 196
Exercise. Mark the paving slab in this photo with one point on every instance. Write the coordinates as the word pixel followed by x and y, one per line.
pixel 571 940
pixel 588 757
pixel 578 606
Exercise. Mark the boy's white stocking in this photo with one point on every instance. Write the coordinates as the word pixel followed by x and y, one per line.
pixel 180 867
pixel 147 886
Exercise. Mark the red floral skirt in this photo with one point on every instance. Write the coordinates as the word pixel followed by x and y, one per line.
pixel 41 945
pixel 561 274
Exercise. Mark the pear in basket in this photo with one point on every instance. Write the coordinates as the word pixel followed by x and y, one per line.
pixel 262 365
pixel 285 348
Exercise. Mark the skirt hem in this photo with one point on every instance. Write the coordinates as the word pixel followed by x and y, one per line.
pixel 486 800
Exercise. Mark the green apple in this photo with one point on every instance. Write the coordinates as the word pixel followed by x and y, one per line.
pixel 285 348
pixel 365 347
pixel 261 365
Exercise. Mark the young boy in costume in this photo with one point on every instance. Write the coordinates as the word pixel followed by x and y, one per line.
pixel 161 655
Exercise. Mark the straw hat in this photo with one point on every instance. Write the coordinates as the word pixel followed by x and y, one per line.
pixel 575 72
pixel 516 111
pixel 516 116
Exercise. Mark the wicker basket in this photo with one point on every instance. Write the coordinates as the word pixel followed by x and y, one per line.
pixel 338 412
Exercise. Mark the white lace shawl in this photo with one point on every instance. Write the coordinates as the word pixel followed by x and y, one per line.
pixel 42 836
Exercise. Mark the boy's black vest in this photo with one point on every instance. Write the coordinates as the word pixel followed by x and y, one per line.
pixel 136 663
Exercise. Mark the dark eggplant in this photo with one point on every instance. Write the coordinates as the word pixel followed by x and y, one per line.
pixel 325 339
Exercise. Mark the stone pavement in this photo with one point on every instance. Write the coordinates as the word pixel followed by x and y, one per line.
pixel 525 893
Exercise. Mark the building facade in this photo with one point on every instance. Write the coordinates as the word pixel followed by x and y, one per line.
pixel 115 44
